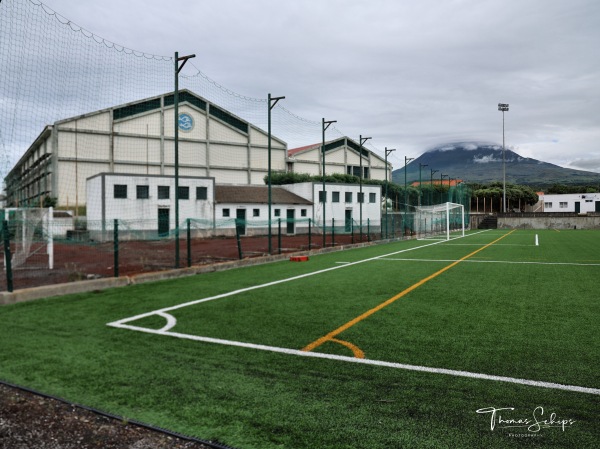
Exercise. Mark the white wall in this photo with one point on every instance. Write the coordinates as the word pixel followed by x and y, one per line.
pixel 566 203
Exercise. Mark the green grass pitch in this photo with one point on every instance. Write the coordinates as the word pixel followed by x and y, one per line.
pixel 395 345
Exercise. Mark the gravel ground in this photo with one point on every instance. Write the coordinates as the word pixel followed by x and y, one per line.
pixel 29 421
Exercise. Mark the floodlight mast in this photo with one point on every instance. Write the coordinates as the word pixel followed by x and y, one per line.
pixel 272 101
pixel 387 152
pixel 406 161
pixel 420 188
pixel 324 125
pixel 503 107
pixel 362 140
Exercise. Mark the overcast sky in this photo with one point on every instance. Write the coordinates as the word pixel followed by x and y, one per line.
pixel 409 74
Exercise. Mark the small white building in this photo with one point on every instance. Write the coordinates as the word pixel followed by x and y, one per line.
pixel 342 204
pixel 579 203
pixel 145 204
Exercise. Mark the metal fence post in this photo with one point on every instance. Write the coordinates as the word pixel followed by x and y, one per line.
pixel 333 232
pixel 7 257
pixel 189 243
pixel 309 234
pixel 279 234
pixel 116 247
pixel 237 237
pixel 368 229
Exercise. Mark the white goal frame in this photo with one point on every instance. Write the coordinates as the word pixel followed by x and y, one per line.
pixel 27 221
pixel 436 220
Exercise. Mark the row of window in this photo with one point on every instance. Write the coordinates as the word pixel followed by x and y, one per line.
pixel 256 212
pixel 561 205
pixel 335 197
pixel 142 192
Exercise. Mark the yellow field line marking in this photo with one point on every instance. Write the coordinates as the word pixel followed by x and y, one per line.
pixel 358 353
pixel 331 335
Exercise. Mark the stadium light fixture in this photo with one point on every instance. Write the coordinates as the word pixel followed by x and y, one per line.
pixel 272 101
pixel 324 125
pixel 387 152
pixel 183 60
pixel 420 189
pixel 360 155
pixel 503 107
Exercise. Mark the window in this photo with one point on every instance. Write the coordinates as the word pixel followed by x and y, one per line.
pixel 366 172
pixel 225 213
pixel 256 212
pixel 120 191
pixel 201 193
pixel 277 212
pixel 372 197
pixel 142 192
pixel 322 196
pixel 563 205
pixel 303 212
pixel 548 205
pixel 348 197
pixel 184 193
pixel 335 197
pixel 361 197
pixel 163 192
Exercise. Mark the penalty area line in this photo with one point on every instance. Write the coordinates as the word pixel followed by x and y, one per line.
pixel 378 363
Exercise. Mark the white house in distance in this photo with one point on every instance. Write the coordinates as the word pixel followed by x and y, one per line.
pixel 342 205
pixel 579 203
pixel 138 138
pixel 342 155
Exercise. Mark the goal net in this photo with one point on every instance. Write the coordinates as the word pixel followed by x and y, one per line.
pixel 31 234
pixel 439 220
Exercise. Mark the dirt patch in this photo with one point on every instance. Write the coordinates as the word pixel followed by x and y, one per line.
pixel 30 421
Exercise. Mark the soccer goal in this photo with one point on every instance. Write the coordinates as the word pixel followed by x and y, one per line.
pixel 31 234
pixel 439 220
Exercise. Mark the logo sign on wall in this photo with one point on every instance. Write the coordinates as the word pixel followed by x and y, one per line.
pixel 186 122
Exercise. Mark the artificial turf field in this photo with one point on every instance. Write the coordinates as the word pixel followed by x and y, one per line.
pixel 395 345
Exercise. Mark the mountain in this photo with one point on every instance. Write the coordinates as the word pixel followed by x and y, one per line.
pixel 482 163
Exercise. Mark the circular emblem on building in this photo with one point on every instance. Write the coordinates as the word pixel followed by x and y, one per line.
pixel 186 122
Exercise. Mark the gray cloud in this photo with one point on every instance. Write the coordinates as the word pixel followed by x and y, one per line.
pixel 410 74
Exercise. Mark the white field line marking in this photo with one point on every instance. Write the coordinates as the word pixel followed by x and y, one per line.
pixel 498 261
pixel 172 321
pixel 381 363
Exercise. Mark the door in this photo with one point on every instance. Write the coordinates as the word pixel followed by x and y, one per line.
pixel 163 222
pixel 348 222
pixel 577 207
pixel 240 223
pixel 597 206
pixel 291 215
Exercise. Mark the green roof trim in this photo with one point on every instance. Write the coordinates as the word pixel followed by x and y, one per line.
pixel 138 108
pixel 186 96
pixel 228 118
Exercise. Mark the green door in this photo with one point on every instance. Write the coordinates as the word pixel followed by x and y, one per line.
pixel 597 206
pixel 577 207
pixel 163 222
pixel 240 223
pixel 348 222
pixel 291 215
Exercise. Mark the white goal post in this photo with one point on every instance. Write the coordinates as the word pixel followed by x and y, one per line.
pixel 33 237
pixel 439 220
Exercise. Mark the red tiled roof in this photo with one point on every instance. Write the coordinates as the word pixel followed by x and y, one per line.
pixel 256 195
pixel 300 149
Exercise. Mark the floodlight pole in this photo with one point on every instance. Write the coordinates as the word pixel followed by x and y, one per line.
pixel 387 152
pixel 406 161
pixel 442 185
pixel 503 107
pixel 324 125
pixel 361 198
pixel 272 102
pixel 420 188
pixel 178 68
pixel 431 181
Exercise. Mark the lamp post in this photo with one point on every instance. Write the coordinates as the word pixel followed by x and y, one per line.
pixel 387 152
pixel 420 189
pixel 406 161
pixel 324 125
pixel 272 102
pixel 503 107
pixel 431 184
pixel 176 137
pixel 361 199
pixel 442 176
